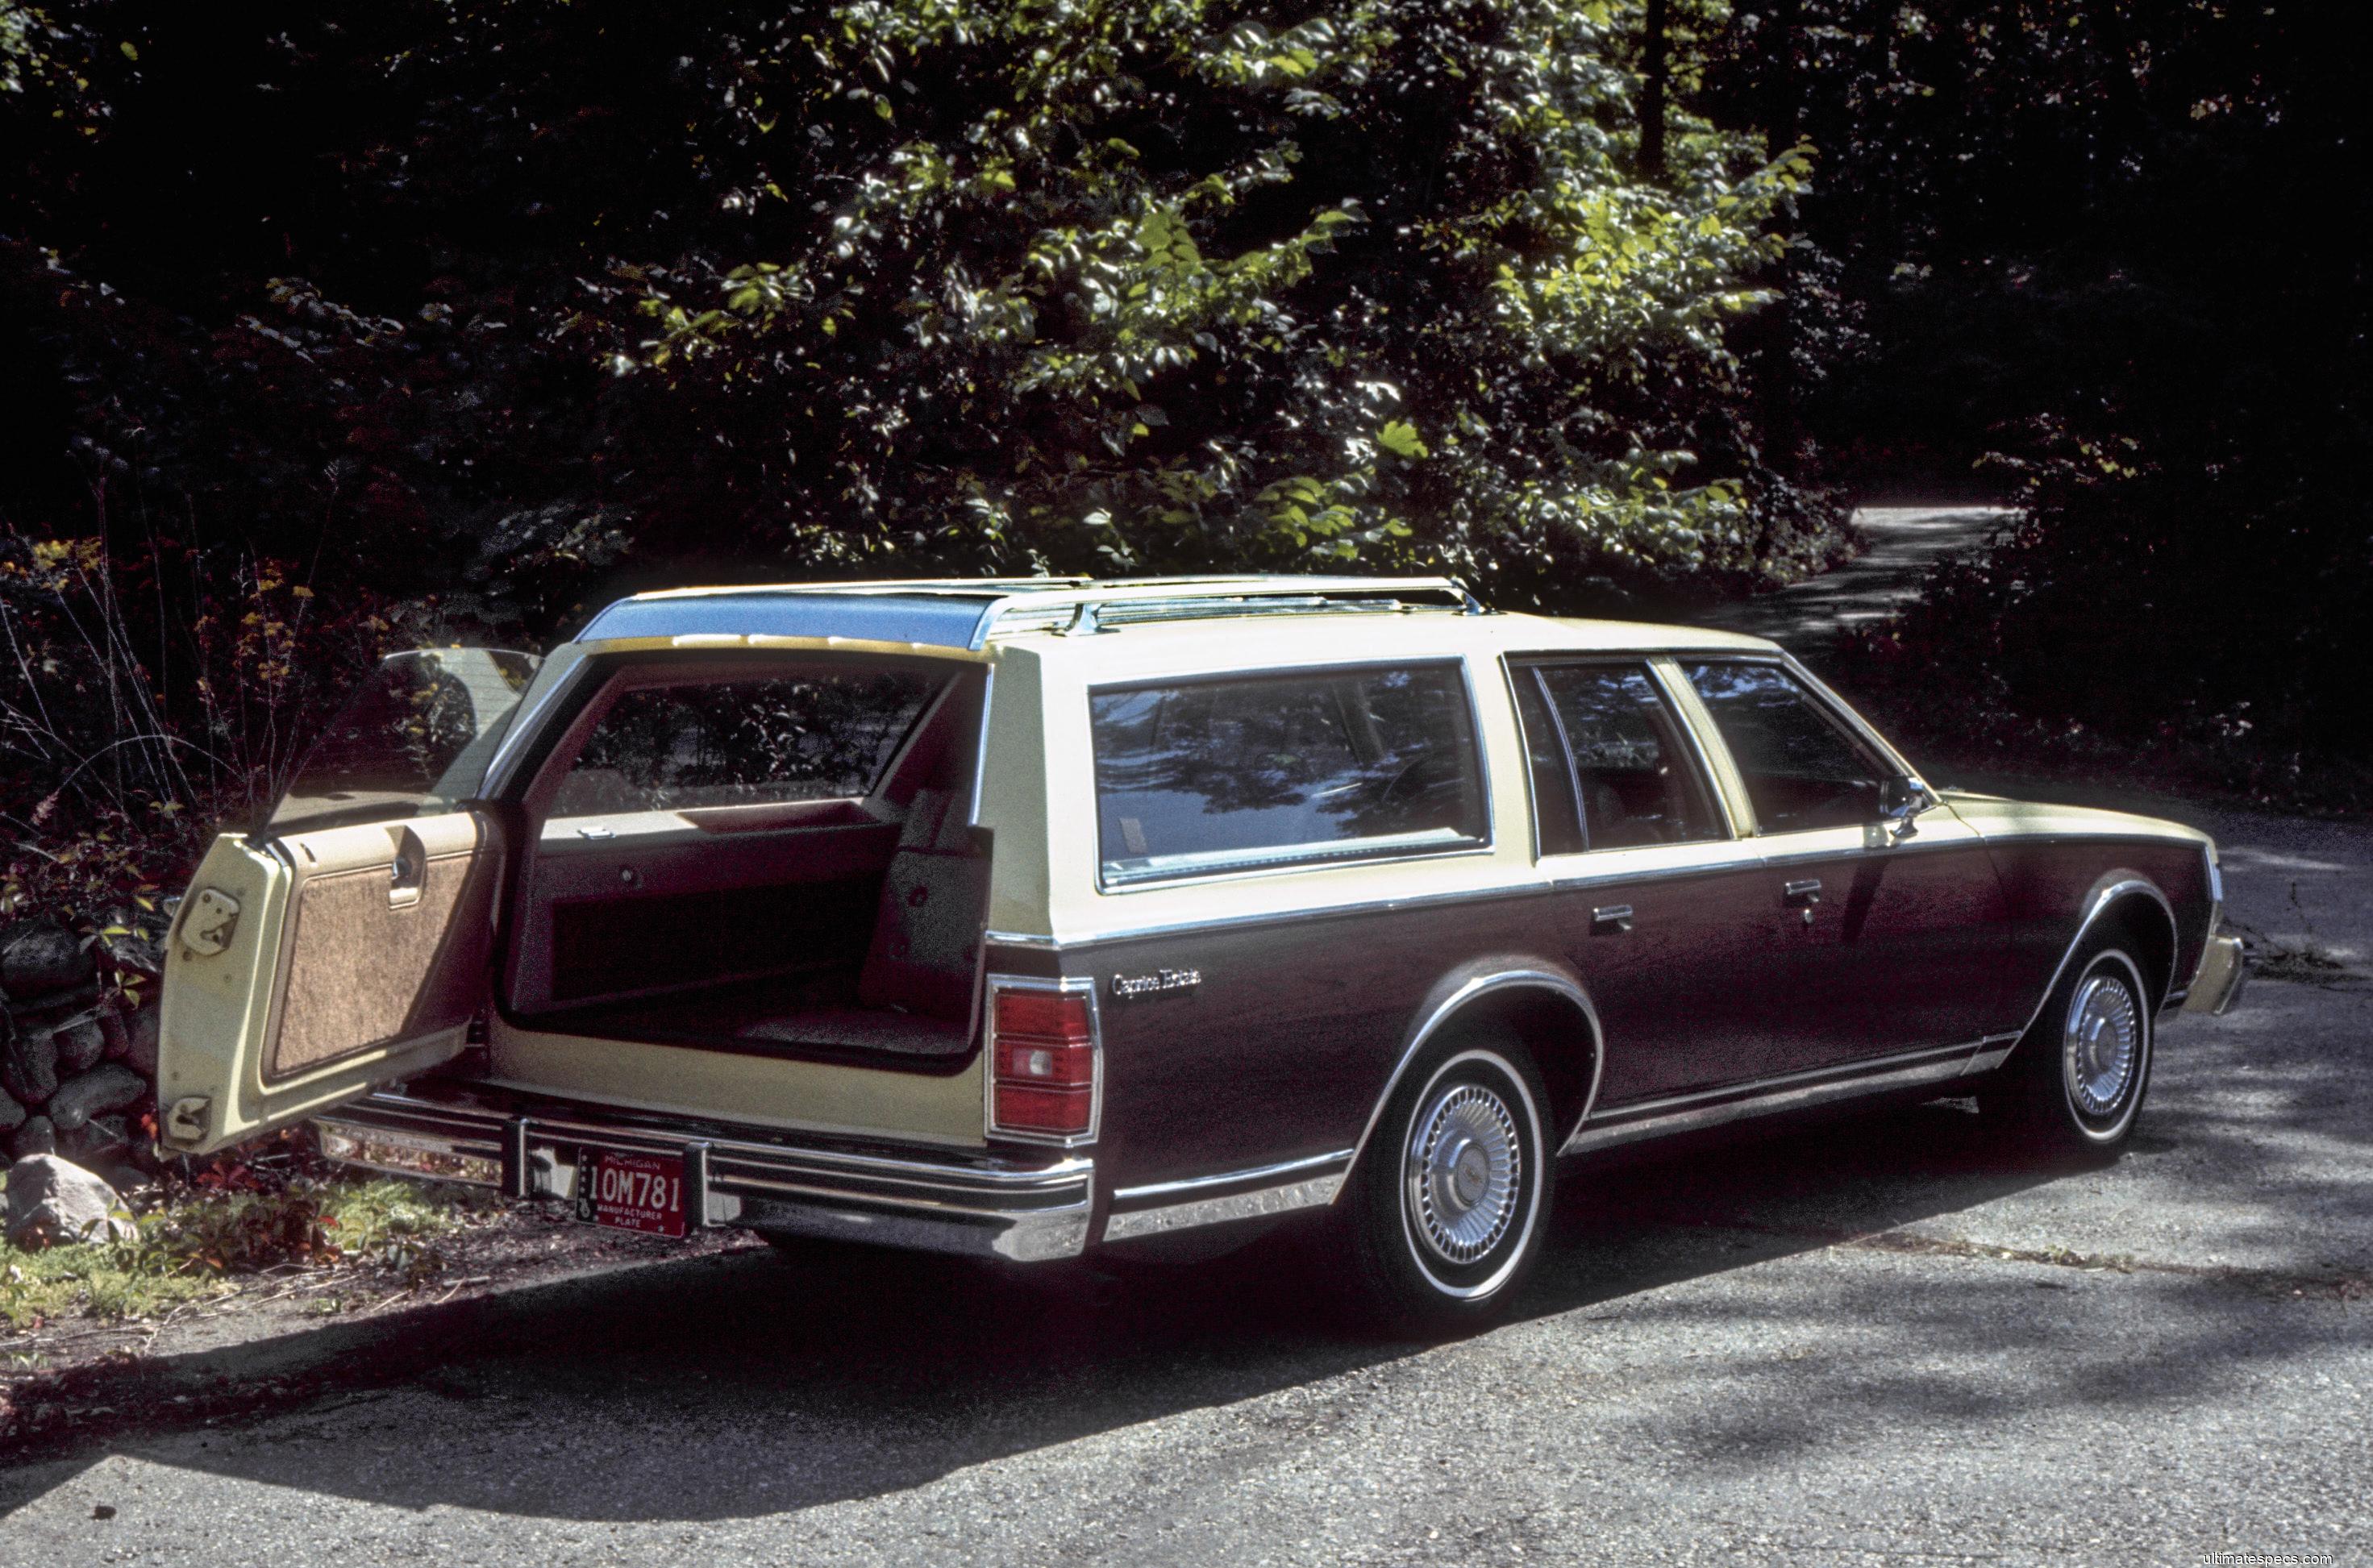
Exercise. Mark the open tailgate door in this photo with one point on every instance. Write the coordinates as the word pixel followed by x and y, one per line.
pixel 322 955
pixel 303 971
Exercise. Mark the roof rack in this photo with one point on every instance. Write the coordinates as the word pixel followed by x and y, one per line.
pixel 1102 606
pixel 966 612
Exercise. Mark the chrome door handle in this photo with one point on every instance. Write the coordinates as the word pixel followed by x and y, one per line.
pixel 1804 894
pixel 1610 918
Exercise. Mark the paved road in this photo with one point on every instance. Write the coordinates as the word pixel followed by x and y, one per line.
pixel 1903 543
pixel 1874 1339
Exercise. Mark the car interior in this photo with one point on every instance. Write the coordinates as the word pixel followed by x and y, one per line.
pixel 758 856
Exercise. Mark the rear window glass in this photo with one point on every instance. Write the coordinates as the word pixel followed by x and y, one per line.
pixel 1259 771
pixel 820 734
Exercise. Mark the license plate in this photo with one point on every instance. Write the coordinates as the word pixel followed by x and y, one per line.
pixel 631 1192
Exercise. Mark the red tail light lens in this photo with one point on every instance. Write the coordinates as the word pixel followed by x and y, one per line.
pixel 1043 1065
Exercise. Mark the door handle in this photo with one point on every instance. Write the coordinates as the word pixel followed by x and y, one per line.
pixel 1610 918
pixel 1804 894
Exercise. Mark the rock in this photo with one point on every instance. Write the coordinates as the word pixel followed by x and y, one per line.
pixel 67 1000
pixel 29 1065
pixel 119 1039
pixel 80 1045
pixel 97 1143
pixel 12 1115
pixel 101 1089
pixel 36 1136
pixel 140 1043
pixel 52 1200
pixel 37 957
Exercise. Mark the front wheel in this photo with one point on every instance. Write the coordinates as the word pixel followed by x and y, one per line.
pixel 2074 1087
pixel 1446 1211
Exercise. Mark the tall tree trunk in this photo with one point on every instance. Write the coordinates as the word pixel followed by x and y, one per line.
pixel 1775 382
pixel 1656 79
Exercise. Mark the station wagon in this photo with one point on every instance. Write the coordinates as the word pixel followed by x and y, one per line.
pixel 1034 918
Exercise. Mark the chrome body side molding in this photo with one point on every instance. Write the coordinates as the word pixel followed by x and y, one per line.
pixel 1232 1195
pixel 1788 1092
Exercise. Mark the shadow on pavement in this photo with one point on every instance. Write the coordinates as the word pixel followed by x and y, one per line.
pixel 744 1383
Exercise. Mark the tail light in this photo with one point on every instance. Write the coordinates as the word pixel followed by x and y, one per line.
pixel 1043 1059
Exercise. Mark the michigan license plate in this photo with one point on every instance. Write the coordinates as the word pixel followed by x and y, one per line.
pixel 631 1192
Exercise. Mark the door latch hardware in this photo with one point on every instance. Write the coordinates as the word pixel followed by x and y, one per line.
pixel 211 921
pixel 1803 895
pixel 1611 918
pixel 185 1119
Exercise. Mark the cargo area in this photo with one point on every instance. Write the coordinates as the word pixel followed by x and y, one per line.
pixel 760 856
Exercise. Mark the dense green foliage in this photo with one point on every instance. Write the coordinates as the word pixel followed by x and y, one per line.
pixel 332 326
pixel 458 317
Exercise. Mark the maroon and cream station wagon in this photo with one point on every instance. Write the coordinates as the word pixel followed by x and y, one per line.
pixel 1027 918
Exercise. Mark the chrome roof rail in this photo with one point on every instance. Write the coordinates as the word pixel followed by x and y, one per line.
pixel 1089 609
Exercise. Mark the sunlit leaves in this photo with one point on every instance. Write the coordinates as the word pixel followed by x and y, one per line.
pixel 1160 283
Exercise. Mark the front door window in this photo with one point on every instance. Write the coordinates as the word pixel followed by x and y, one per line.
pixel 1802 768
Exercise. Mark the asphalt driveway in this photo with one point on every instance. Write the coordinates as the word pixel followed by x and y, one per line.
pixel 1872 1338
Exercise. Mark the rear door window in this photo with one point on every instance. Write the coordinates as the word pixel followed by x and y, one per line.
pixel 810 735
pixel 1611 766
pixel 413 739
pixel 1259 771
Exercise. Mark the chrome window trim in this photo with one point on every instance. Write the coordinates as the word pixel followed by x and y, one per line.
pixel 1448 1008
pixel 526 723
pixel 1463 662
pixel 1067 985
pixel 980 742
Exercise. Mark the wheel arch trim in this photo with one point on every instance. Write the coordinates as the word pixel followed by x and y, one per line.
pixel 1462 989
pixel 2115 889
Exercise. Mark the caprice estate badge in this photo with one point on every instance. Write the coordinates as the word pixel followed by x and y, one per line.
pixel 1161 980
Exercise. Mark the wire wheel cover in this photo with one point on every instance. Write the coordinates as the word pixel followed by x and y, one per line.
pixel 1466 1168
pixel 2101 1044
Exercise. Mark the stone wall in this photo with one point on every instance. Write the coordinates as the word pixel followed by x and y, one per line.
pixel 77 1065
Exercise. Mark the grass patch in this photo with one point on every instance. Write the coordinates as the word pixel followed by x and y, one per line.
pixel 196 1244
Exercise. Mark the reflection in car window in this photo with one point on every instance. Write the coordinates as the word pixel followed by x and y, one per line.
pixel 411 740
pixel 1269 770
pixel 1801 768
pixel 820 734
pixel 1631 778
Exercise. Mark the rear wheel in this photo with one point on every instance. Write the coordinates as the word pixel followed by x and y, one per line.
pixel 2075 1086
pixel 1443 1218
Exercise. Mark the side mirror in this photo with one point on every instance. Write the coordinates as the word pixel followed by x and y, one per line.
pixel 1900 802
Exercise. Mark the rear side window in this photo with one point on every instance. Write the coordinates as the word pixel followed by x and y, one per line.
pixel 1611 770
pixel 1271 770
pixel 1800 767
pixel 819 734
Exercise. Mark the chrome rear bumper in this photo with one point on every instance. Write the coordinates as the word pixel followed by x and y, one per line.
pixel 931 1200
pixel 2223 971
